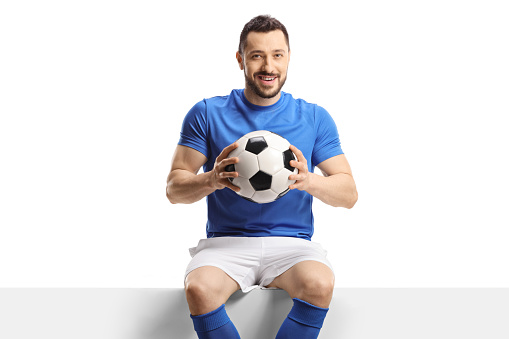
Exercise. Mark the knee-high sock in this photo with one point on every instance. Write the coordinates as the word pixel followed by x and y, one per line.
pixel 215 325
pixel 304 321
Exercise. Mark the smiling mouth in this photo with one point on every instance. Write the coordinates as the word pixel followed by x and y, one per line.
pixel 267 79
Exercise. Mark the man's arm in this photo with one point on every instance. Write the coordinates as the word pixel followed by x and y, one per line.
pixel 336 187
pixel 185 186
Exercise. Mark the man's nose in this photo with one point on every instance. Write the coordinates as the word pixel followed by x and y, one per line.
pixel 268 65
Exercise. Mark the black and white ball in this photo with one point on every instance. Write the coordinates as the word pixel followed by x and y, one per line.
pixel 263 167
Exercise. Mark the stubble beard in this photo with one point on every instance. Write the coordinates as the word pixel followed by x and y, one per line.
pixel 263 91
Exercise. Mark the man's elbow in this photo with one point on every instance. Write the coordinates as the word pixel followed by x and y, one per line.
pixel 353 200
pixel 352 204
pixel 169 196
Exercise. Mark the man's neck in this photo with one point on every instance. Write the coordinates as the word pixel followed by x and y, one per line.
pixel 259 101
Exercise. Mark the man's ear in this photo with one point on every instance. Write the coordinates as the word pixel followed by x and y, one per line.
pixel 240 61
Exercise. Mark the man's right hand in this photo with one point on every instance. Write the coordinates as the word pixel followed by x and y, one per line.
pixel 218 176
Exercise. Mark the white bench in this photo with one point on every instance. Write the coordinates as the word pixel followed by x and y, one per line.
pixel 356 313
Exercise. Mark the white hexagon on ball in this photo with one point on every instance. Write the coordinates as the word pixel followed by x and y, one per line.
pixel 277 142
pixel 246 190
pixel 270 161
pixel 264 196
pixel 280 181
pixel 242 145
pixel 247 165
pixel 260 133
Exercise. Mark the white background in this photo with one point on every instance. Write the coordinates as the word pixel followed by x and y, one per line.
pixel 93 93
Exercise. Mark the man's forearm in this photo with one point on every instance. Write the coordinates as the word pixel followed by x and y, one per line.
pixel 184 187
pixel 337 190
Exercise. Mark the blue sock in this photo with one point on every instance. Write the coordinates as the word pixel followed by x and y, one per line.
pixel 215 325
pixel 304 321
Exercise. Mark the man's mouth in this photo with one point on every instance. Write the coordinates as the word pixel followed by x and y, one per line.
pixel 267 79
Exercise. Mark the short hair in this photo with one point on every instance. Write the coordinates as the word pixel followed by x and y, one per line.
pixel 261 23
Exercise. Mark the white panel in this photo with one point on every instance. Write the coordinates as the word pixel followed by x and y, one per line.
pixel 246 190
pixel 277 142
pixel 247 165
pixel 270 161
pixel 264 196
pixel 260 133
pixel 280 181
pixel 242 145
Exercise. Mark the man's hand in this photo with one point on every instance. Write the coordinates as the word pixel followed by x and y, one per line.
pixel 303 176
pixel 218 175
pixel 184 184
pixel 336 187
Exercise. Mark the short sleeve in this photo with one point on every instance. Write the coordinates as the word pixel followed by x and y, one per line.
pixel 194 129
pixel 327 144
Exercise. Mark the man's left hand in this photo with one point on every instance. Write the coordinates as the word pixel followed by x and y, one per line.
pixel 303 177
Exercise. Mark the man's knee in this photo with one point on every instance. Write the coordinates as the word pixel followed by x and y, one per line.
pixel 197 289
pixel 322 287
pixel 202 296
pixel 206 289
pixel 317 289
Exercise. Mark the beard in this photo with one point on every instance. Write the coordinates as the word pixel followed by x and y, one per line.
pixel 262 91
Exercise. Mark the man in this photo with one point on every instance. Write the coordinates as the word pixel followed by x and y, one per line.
pixel 249 244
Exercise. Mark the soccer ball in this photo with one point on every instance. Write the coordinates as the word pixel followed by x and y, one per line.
pixel 263 167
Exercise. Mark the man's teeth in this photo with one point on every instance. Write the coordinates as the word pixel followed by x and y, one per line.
pixel 267 79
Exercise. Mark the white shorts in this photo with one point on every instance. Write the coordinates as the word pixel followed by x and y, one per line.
pixel 254 261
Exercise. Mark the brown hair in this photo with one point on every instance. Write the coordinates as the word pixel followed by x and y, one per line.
pixel 261 23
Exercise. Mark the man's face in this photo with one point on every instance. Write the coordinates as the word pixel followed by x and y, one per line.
pixel 265 63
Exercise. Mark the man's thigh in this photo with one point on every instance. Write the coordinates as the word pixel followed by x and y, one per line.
pixel 207 287
pixel 311 280
pixel 213 279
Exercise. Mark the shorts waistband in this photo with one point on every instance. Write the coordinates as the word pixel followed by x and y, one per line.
pixel 250 242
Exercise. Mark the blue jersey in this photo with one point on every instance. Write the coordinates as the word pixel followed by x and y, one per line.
pixel 212 124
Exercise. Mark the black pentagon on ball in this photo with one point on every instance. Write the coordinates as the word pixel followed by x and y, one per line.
pixel 261 181
pixel 256 145
pixel 287 157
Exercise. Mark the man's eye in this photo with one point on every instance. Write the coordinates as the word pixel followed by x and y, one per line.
pixel 256 56
pixel 278 55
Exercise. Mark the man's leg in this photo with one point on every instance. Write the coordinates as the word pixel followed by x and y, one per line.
pixel 310 284
pixel 207 290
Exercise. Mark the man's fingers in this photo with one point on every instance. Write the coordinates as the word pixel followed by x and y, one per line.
pixel 301 167
pixel 298 153
pixel 233 187
pixel 297 164
pixel 224 181
pixel 295 186
pixel 228 175
pixel 229 161
pixel 227 151
pixel 298 177
pixel 301 178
